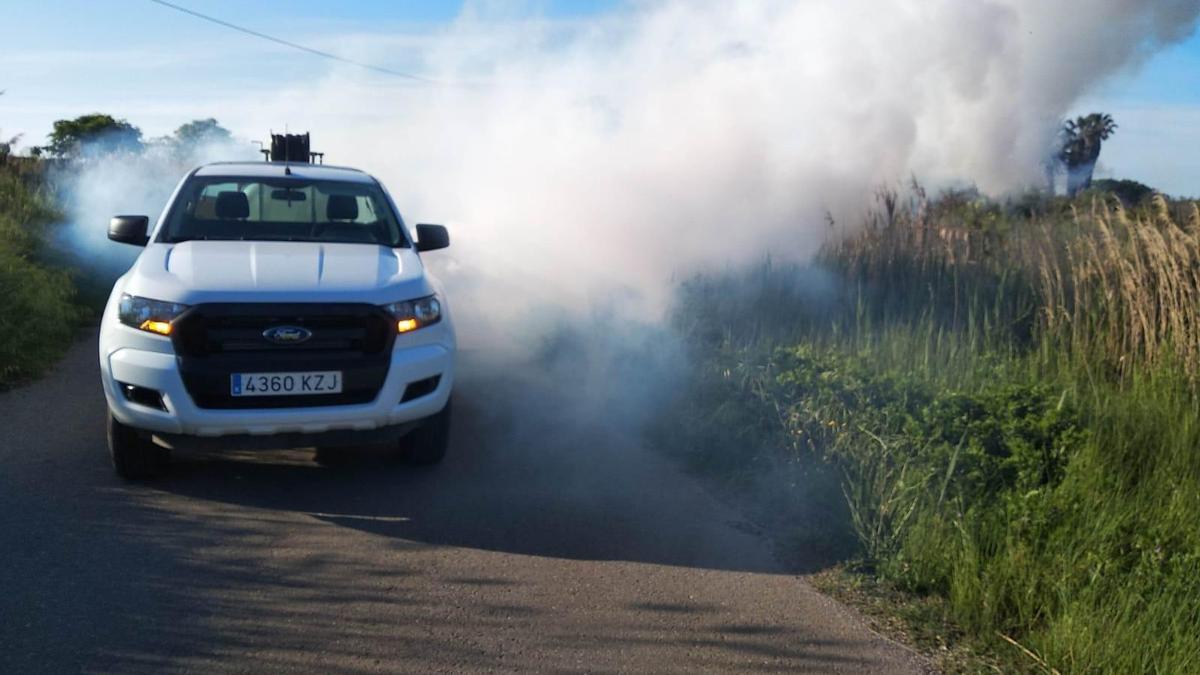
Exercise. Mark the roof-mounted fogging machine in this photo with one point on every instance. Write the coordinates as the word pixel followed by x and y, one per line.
pixel 292 148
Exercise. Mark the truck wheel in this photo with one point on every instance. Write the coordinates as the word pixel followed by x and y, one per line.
pixel 134 457
pixel 426 445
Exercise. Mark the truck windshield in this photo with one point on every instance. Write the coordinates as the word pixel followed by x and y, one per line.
pixel 282 210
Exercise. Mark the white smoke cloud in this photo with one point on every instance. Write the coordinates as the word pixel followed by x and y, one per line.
pixel 103 184
pixel 668 136
pixel 577 162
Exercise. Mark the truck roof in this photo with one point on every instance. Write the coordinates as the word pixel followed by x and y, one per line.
pixel 276 170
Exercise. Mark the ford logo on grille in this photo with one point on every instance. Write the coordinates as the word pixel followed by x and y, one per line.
pixel 287 335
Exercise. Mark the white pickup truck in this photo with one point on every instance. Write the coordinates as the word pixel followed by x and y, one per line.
pixel 276 305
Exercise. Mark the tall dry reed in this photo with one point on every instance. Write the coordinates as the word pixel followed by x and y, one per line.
pixel 1119 286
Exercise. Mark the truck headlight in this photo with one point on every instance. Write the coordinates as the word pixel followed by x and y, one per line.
pixel 153 316
pixel 413 314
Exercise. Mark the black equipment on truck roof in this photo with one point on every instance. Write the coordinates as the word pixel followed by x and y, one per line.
pixel 292 148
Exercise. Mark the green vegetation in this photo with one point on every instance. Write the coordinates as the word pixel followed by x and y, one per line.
pixel 36 300
pixel 201 132
pixel 100 134
pixel 41 306
pixel 96 132
pixel 1130 192
pixel 1008 397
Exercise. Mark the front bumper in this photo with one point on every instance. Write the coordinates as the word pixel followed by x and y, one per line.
pixel 321 439
pixel 156 368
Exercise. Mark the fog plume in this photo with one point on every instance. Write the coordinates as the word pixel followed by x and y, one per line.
pixel 584 165
pixel 615 153
pixel 101 183
pixel 575 158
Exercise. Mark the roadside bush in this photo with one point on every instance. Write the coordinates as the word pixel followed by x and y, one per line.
pixel 39 317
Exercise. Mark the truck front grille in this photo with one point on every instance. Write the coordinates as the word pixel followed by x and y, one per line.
pixel 205 330
pixel 213 341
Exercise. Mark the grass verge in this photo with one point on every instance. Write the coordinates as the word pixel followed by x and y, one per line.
pixel 37 300
pixel 1005 397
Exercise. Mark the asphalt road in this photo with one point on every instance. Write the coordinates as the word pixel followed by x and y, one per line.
pixel 539 545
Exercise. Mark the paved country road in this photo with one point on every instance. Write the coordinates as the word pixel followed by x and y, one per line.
pixel 538 546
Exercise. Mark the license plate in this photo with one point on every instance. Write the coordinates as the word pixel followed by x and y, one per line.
pixel 285 384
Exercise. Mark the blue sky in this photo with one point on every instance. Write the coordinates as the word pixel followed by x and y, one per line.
pixel 131 58
pixel 1158 111
pixel 158 68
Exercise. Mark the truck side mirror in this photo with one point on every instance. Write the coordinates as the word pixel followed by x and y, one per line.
pixel 129 230
pixel 432 237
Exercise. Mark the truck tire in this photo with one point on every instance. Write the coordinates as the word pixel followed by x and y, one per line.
pixel 134 457
pixel 426 445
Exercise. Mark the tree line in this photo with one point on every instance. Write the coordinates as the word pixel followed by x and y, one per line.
pixel 98 133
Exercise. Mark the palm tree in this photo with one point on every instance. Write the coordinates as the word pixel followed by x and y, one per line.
pixel 1082 138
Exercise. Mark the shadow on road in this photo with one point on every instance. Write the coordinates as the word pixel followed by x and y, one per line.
pixel 535 486
pixel 272 560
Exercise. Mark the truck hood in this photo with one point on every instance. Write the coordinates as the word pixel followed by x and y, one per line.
pixel 267 271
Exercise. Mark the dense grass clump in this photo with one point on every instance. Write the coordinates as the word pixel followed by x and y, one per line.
pixel 36 300
pixel 1009 397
